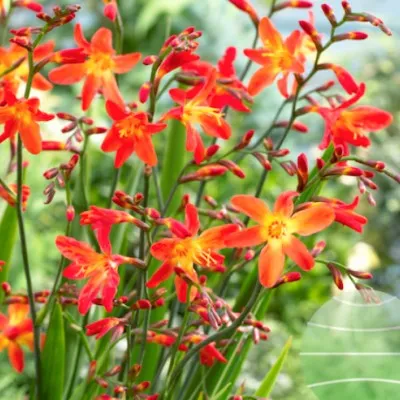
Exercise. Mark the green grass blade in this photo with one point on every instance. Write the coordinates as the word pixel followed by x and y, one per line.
pixel 53 357
pixel 269 381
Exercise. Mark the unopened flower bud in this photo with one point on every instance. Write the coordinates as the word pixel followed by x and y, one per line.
pixel 70 213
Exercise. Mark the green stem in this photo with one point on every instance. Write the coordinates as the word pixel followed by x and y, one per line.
pixel 181 333
pixel 76 362
pixel 222 334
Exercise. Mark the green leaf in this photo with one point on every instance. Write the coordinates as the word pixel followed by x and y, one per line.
pixel 53 357
pixel 8 235
pixel 151 12
pixel 268 382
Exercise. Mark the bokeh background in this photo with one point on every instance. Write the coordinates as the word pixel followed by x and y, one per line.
pixel 375 61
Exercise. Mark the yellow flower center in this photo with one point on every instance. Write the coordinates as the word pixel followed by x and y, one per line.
pixel 21 112
pixel 277 229
pixel 190 251
pixel 99 62
pixel 130 126
pixel 193 113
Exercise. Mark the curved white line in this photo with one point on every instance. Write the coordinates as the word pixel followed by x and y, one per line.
pixel 322 354
pixel 339 328
pixel 349 303
pixel 354 380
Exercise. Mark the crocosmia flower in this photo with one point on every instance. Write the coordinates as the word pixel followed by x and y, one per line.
pixel 350 126
pixel 185 249
pixel 193 110
pixel 98 70
pixel 278 228
pixel 21 115
pixel 16 330
pixel 105 325
pixel 276 57
pixel 12 199
pixel 100 269
pixel 229 90
pixel 131 132
pixel 15 54
pixel 209 354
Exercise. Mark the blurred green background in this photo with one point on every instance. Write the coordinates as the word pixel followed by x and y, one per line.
pixel 146 22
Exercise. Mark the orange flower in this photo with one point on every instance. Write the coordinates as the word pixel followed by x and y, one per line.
pixel 11 200
pixel 101 270
pixel 276 57
pixel 98 69
pixel 195 110
pixel 21 115
pixel 349 126
pixel 209 353
pixel 17 54
pixel 130 132
pixel 344 213
pixel 103 326
pixel 16 330
pixel 186 249
pixel 102 220
pixel 229 90
pixel 277 228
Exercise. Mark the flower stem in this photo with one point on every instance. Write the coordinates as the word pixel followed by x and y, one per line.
pixel 222 334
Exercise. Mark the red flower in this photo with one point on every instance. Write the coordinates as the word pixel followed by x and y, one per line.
pixel 103 326
pixel 15 54
pixel 278 229
pixel 195 110
pixel 209 354
pixel 21 115
pixel 344 212
pixel 276 57
pixel 110 9
pixel 101 270
pixel 98 69
pixel 11 200
pixel 102 220
pixel 229 90
pixel 350 126
pixel 186 249
pixel 131 132
pixel 16 330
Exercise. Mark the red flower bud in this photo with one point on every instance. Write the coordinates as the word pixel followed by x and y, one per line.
pixel 233 167
pixel 245 140
pixel 293 4
pixel 265 163
pixel 245 6
pixel 310 30
pixel 149 60
pixel 336 275
pixel 144 92
pixel 350 36
pixel 329 14
pixel 6 288
pixel 70 213
pixel 212 150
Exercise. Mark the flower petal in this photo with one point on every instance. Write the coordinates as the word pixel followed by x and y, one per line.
pixel 16 356
pixel 161 275
pixel 247 237
pixel 261 79
pixel 115 111
pixel 284 203
pixel 181 287
pixel 123 153
pixel 80 38
pixel 251 206
pixel 296 250
pixel 214 238
pixel 162 250
pixel 67 74
pixel 192 221
pixel 271 263
pixel 89 90
pixel 111 90
pixel 124 63
pixel 312 219
pixel 30 135
pixel 145 150
pixel 102 41
pixel 269 35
